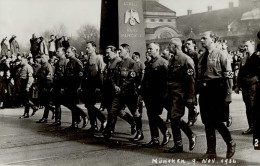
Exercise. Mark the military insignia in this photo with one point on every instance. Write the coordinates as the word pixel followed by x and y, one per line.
pixel 30 74
pixel 132 74
pixel 80 74
pixel 132 17
pixel 190 72
pixel 229 74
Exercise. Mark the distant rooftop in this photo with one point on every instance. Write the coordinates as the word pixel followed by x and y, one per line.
pixel 155 6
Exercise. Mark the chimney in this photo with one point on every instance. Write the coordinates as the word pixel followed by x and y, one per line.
pixel 189 12
pixel 209 8
pixel 231 4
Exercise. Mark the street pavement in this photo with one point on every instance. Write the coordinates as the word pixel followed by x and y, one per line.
pixel 24 142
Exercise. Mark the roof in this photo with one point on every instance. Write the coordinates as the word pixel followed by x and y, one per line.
pixel 154 6
pixel 251 15
pixel 215 20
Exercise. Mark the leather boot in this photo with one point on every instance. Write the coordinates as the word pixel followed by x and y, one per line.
pixel 73 126
pixel 176 132
pixel 211 144
pixel 85 122
pixel 192 137
pixel 175 149
pixel 93 128
pixel 152 143
pixel 42 120
pixel 108 129
pixel 131 121
pixel 139 136
pixel 103 126
pixel 166 138
pixel 231 148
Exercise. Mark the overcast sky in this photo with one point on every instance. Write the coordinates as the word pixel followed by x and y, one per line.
pixel 24 17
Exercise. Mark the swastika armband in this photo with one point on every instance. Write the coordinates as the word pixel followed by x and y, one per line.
pixel 190 72
pixel 30 74
pixel 229 74
pixel 132 74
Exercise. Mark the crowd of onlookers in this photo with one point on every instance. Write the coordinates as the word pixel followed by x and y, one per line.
pixel 10 58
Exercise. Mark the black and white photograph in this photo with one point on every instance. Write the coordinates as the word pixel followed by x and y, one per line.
pixel 129 82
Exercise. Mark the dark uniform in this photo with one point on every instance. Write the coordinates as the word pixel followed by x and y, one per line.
pixel 91 85
pixel 180 88
pixel 44 83
pixel 139 77
pixel 26 78
pixel 108 93
pixel 247 79
pixel 153 90
pixel 34 47
pixel 125 79
pixel 192 116
pixel 73 76
pixel 58 88
pixel 256 111
pixel 215 88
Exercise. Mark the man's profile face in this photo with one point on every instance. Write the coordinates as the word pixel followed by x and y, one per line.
pixel 152 50
pixel 136 58
pixel 206 40
pixel 90 49
pixel 60 52
pixel 249 47
pixel 190 45
pixel 109 53
pixel 69 53
pixel 123 53
pixel 172 48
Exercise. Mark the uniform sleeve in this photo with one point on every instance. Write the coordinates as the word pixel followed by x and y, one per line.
pixel 101 64
pixel 30 76
pixel 227 72
pixel 191 75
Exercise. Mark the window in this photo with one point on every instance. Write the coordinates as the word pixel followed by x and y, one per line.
pixel 169 20
pixel 152 20
pixel 160 20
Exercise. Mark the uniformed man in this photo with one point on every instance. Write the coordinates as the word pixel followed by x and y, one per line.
pixel 181 89
pixel 256 112
pixel 73 76
pixel 247 79
pixel 153 90
pixel 26 78
pixel 124 81
pixel 215 87
pixel 59 84
pixel 190 45
pixel 113 60
pixel 92 82
pixel 139 76
pixel 44 83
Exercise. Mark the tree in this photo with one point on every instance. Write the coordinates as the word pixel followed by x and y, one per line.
pixel 60 30
pixel 84 34
pixel 88 33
